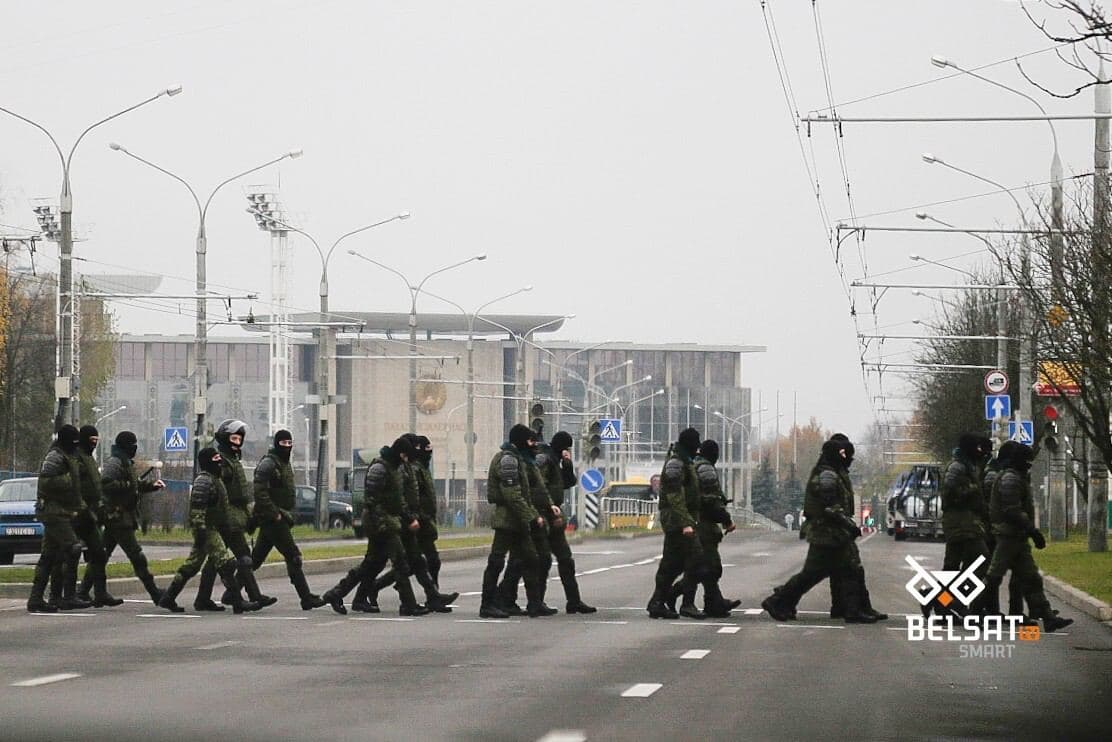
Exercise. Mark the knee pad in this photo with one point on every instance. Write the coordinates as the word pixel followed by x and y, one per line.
pixel 244 562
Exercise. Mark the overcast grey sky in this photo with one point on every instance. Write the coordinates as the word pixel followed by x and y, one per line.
pixel 635 161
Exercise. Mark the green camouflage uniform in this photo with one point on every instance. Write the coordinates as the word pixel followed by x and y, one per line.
pixel 121 487
pixel 86 525
pixel 508 488
pixel 57 503
pixel 963 515
pixel 679 506
pixel 542 504
pixel 208 509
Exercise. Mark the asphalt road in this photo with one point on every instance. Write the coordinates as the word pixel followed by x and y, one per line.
pixel 135 672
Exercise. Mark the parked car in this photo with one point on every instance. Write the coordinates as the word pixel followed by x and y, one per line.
pixel 20 530
pixel 339 508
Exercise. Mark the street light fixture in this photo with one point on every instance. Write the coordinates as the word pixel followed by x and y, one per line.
pixel 200 340
pixel 105 416
pixel 914 257
pixel 67 383
pixel 324 339
pixel 414 291
pixel 470 495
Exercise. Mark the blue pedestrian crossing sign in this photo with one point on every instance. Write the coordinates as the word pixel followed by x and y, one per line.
pixel 610 430
pixel 591 480
pixel 997 405
pixel 1022 432
pixel 175 440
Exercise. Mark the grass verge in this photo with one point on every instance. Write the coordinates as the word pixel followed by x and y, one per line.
pixel 300 534
pixel 169 566
pixel 1072 562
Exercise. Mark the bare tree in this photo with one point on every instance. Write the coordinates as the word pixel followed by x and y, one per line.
pixel 1088 26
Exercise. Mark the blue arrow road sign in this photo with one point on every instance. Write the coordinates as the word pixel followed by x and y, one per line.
pixel 592 480
pixel 175 440
pixel 610 430
pixel 997 405
pixel 1022 432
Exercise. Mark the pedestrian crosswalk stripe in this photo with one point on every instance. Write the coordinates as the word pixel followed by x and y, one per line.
pixel 729 630
pixel 564 735
pixel 694 654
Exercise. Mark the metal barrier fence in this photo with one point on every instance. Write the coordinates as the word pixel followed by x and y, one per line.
pixel 748 517
pixel 626 513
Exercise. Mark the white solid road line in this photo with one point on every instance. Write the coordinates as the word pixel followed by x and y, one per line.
pixel 275 618
pixel 166 615
pixel 564 735
pixel 46 679
pixel 694 654
pixel 65 614
pixel 611 623
pixel 378 618
pixel 217 645
pixel 641 690
pixel 471 595
pixel 753 611
pixel 697 622
pixel 729 630
pixel 806 626
pixel 485 620
pixel 332 623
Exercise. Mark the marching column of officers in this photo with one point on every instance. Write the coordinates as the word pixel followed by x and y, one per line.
pixel 988 520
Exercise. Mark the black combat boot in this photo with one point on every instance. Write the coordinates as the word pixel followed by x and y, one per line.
pixel 854 609
pixel 866 601
pixel 309 601
pixel 410 606
pixel 1052 622
pixel 335 596
pixel 168 597
pixel 777 607
pixel 362 601
pixel 54 595
pixel 35 602
pixel 691 610
pixel 714 605
pixel 101 597
pixel 575 604
pixel 489 606
pixel 232 591
pixel 534 595
pixel 658 606
pixel 204 589
pixel 990 598
pixel 69 586
pixel 673 596
pixel 245 577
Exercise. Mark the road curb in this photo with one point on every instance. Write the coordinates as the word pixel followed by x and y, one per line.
pixel 1078 599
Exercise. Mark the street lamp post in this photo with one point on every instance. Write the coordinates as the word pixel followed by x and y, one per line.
pixel 470 496
pixel 105 416
pixel 324 343
pixel 731 422
pixel 521 340
pixel 68 384
pixel 414 291
pixel 200 340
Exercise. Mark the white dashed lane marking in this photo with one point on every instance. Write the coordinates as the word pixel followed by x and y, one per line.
pixel 641 690
pixel 378 618
pixel 484 620
pixel 332 623
pixel 564 735
pixel 729 630
pixel 65 614
pixel 166 615
pixel 217 645
pixel 694 654
pixel 46 680
pixel 611 623
pixel 753 611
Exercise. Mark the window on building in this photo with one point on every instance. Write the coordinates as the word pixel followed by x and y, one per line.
pixel 218 362
pixel 722 367
pixel 169 360
pixel 130 361
pixel 689 368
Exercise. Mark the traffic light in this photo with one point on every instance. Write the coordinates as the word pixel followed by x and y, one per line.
pixel 592 441
pixel 536 417
pixel 1050 428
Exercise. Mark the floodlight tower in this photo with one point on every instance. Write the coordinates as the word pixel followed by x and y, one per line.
pixel 267 209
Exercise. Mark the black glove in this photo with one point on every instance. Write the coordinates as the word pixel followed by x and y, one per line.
pixel 1037 538
pixel 850 526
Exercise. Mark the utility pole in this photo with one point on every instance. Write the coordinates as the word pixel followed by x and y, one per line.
pixel 1098 470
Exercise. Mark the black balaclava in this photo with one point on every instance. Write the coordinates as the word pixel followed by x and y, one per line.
pixel 850 450
pixel 204 460
pixel 520 435
pixel 86 434
pixel 835 453
pixel 689 441
pixel 283 452
pixel 68 439
pixel 1015 455
pixel 969 445
pixel 398 447
pixel 424 449
pixel 128 443
pixel 561 442
pixel 708 449
pixel 986 449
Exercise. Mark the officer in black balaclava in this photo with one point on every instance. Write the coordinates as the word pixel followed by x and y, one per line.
pixel 58 502
pixel 85 524
pixel 275 502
